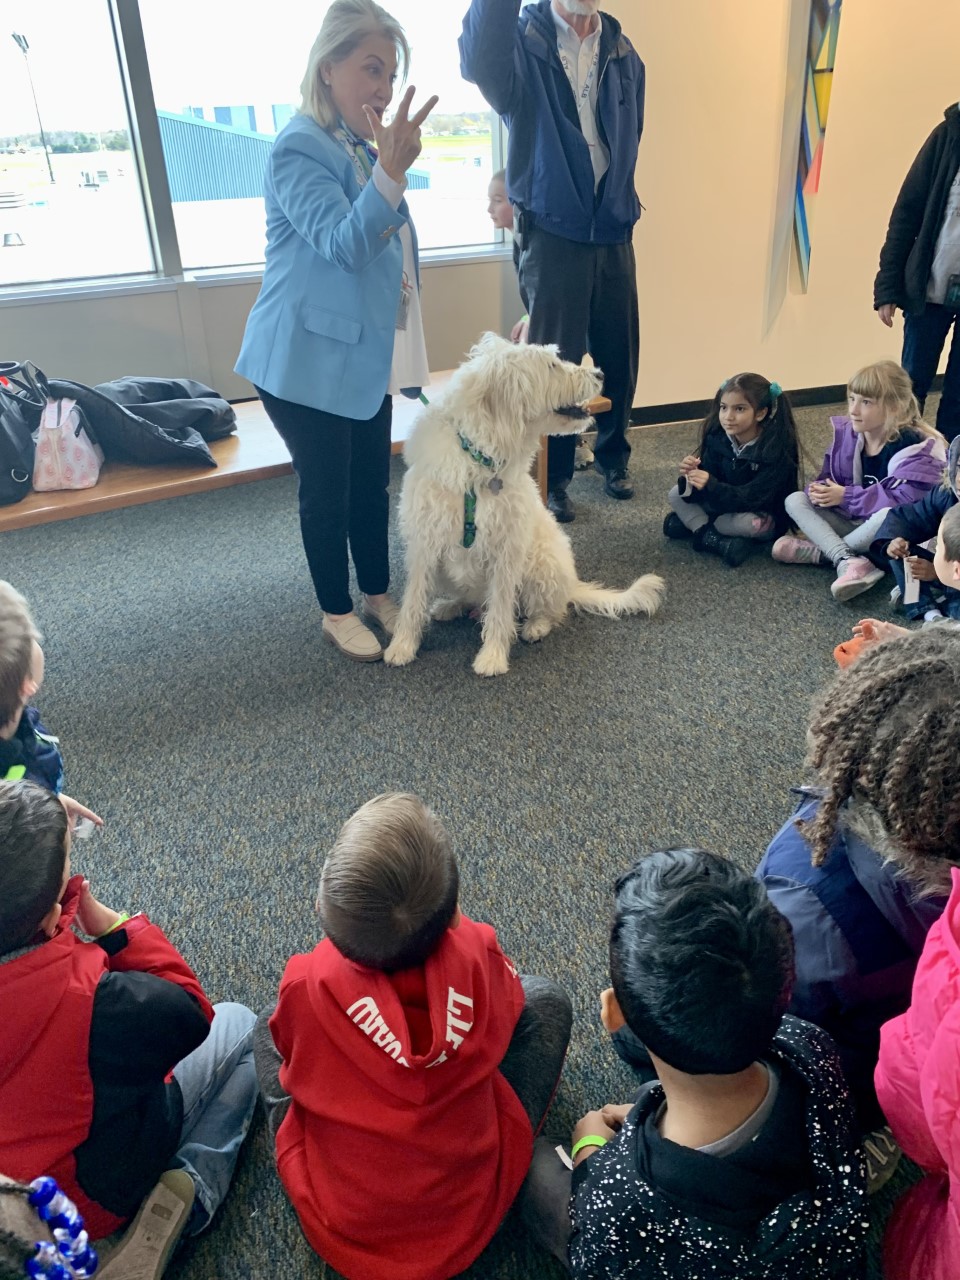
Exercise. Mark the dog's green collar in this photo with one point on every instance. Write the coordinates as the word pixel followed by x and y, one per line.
pixel 475 453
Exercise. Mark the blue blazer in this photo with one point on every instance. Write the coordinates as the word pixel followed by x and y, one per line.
pixel 321 332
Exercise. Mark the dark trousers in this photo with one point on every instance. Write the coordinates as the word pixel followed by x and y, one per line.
pixel 924 336
pixel 583 297
pixel 343 467
pixel 531 1065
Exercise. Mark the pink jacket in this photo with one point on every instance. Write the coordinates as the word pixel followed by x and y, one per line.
pixel 918 1084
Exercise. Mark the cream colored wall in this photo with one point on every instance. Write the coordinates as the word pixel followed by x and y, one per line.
pixel 709 169
pixel 708 172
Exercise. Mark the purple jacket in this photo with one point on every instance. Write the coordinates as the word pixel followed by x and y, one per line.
pixel 912 472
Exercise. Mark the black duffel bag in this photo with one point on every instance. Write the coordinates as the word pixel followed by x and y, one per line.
pixel 22 398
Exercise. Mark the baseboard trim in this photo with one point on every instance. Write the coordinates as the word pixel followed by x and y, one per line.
pixel 694 410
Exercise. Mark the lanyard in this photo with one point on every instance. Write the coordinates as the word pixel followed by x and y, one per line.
pixel 583 96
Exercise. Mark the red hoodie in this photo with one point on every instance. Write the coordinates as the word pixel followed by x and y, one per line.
pixel 404 1146
pixel 107 1143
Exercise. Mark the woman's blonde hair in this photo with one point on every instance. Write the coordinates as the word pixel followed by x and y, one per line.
pixel 890 385
pixel 346 24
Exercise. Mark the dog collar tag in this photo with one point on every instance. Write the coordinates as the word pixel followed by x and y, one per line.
pixel 495 485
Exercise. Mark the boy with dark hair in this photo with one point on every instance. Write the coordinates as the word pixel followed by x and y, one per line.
pixel 740 1159
pixel 112 1078
pixel 27 750
pixel 406 1064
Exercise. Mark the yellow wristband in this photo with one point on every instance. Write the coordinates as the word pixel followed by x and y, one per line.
pixel 591 1140
pixel 124 917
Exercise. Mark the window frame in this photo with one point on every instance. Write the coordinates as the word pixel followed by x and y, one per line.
pixel 131 54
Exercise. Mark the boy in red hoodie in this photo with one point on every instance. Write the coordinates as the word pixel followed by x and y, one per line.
pixel 117 1077
pixel 406 1064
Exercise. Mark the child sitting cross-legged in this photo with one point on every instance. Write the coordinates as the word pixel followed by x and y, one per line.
pixel 883 455
pixel 739 1160
pixel 112 1079
pixel 406 1064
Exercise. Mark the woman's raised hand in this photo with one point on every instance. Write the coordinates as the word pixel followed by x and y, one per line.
pixel 398 143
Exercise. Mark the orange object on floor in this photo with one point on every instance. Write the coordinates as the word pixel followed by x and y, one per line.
pixel 847 653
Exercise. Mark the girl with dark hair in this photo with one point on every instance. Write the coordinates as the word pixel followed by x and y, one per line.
pixel 730 493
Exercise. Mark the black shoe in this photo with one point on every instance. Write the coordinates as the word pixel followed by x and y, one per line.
pixel 673 527
pixel 617 481
pixel 732 551
pixel 560 506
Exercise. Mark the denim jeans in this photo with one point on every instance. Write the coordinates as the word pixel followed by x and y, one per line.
pixel 933 595
pixel 924 336
pixel 219 1087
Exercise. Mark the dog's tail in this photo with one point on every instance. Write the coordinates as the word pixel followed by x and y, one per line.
pixel 642 596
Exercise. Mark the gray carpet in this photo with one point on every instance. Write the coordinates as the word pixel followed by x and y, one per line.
pixel 224 742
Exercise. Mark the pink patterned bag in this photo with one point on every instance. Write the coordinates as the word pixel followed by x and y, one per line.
pixel 66 457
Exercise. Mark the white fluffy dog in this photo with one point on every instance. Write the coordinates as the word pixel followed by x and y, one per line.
pixel 475 530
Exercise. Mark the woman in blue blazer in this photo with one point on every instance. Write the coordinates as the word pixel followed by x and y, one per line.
pixel 337 328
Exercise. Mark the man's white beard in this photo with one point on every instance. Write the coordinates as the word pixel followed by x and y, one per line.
pixel 583 7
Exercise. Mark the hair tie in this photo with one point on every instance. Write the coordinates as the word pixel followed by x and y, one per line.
pixel 776 391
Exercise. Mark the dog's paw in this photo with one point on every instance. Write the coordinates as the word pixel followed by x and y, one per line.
pixel 399 653
pixel 491 662
pixel 446 610
pixel 535 629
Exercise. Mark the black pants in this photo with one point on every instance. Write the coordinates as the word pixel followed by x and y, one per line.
pixel 924 337
pixel 583 297
pixel 343 466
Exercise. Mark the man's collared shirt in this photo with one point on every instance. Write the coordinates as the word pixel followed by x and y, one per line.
pixel 581 62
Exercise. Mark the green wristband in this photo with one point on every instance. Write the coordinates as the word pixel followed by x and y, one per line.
pixel 124 917
pixel 591 1140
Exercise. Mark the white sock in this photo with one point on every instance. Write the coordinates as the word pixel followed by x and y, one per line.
pixel 932 615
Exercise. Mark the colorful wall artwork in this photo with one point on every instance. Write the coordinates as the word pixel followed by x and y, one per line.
pixel 821 57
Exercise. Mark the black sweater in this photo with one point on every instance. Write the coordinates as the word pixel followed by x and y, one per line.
pixel 758 480
pixel 908 251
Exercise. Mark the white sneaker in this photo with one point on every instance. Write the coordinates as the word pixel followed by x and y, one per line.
pixel 352 638
pixel 583 458
pixel 385 613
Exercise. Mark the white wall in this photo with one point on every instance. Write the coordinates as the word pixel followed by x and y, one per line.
pixel 708 175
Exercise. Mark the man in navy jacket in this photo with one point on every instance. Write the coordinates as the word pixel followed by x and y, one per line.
pixel 570 87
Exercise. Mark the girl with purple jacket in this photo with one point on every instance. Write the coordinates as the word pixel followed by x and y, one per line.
pixel 883 455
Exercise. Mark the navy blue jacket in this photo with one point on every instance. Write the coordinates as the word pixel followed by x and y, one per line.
pixel 858 931
pixel 32 753
pixel 516 64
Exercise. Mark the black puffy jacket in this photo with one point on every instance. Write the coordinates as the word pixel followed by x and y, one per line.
pixel 908 251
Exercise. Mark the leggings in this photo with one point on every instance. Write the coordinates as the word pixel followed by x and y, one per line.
pixel 837 536
pixel 732 524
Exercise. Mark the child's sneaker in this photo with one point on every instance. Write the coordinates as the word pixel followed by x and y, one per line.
pixel 855 575
pixel 151 1238
pixel 882 1156
pixel 583 457
pixel 792 550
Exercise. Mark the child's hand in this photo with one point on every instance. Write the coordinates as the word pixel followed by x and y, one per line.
pixel 898 549
pixel 76 810
pixel 92 916
pixel 697 479
pixel 614 1116
pixel 690 463
pixel 592 1125
pixel 872 631
pixel 922 569
pixel 826 493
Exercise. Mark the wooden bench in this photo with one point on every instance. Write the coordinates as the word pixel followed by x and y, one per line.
pixel 253 452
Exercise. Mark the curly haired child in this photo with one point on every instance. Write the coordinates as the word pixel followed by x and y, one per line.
pixel 862 869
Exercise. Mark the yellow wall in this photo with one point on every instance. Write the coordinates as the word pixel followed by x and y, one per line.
pixel 708 176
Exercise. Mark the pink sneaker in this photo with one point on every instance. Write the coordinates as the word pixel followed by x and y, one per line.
pixel 792 550
pixel 855 575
